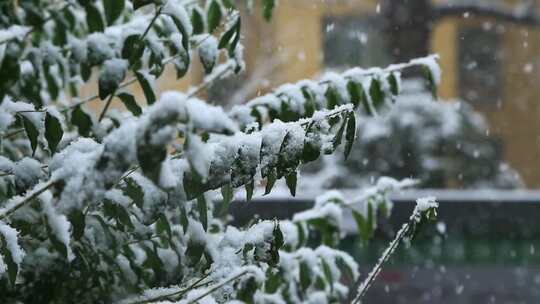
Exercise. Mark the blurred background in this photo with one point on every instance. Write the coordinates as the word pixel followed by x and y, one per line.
pixel 476 148
pixel 480 139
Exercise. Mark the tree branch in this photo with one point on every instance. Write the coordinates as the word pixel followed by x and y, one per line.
pixel 516 16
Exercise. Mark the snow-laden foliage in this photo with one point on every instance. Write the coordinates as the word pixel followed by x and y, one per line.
pixel 440 143
pixel 126 206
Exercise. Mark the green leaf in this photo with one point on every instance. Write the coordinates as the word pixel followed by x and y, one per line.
pixel 311 151
pixel 310 105
pixel 52 86
pixel 193 185
pixel 181 64
pixel 229 4
pixel 122 215
pixel 134 191
pixel 305 275
pixel 207 61
pixel 162 225
pixel 247 290
pixel 270 181
pixel 78 222
pixel 355 91
pixel 249 190
pixel 113 9
pixel 12 267
pixel 376 93
pixel 268 8
pixel 202 208
pixel 278 236
pixel 153 261
pixel 394 84
pixel 146 84
pixel 213 16
pixel 57 244
pixel 339 135
pixel 82 120
pixel 106 229
pixel 197 21
pixel 133 48
pixel 185 35
pixel 112 74
pixel 351 133
pixel 184 221
pixel 287 160
pixel 432 85
pixel 302 237
pixel 230 38
pixel 194 251
pixel 365 226
pixel 86 71
pixel 140 3
pixel 273 280
pixel 31 132
pixel 129 102
pixel 345 269
pixel 327 273
pixel 53 131
pixel 227 193
pixel 332 97
pixel 290 180
pixel 10 68
pixel 94 19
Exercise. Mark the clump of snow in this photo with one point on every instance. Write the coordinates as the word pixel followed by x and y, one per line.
pixel 431 63
pixel 426 203
pixel 114 70
pixel 175 8
pixel 10 236
pixel 208 49
pixel 76 166
pixel 200 156
pixel 27 172
pixel 58 223
pixel 13 32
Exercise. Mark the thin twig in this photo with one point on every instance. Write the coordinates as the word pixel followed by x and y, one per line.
pixel 176 293
pixel 109 100
pixel 366 284
pixel 25 200
pixel 13 133
pixel 218 286
pixel 207 83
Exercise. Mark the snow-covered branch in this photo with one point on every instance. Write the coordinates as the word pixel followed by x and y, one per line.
pixel 425 209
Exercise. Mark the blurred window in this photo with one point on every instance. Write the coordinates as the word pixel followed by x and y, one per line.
pixel 479 66
pixel 353 41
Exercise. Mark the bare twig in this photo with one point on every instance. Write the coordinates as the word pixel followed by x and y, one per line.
pixel 31 195
pixel 218 286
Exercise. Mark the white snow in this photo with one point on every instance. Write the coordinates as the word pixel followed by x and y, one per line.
pixel 59 224
pixel 10 236
pixel 175 8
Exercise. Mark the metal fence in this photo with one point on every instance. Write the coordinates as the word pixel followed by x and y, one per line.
pixel 484 249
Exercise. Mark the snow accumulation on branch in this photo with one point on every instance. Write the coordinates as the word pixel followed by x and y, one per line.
pixel 425 209
pixel 127 199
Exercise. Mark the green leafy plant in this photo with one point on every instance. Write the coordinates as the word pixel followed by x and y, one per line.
pixel 126 206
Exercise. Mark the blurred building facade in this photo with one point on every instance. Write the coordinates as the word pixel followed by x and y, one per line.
pixel 488 60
